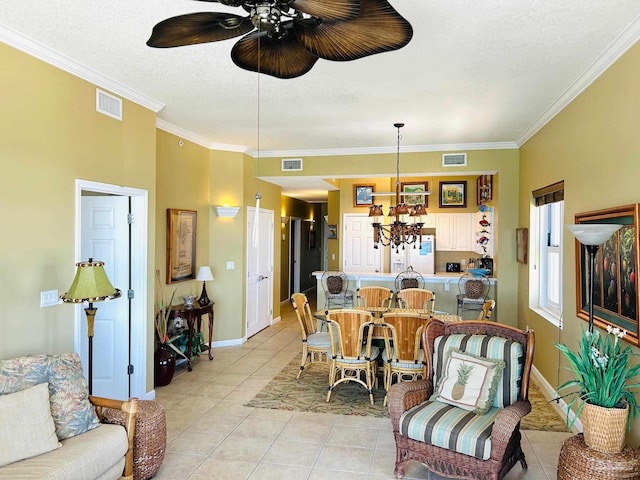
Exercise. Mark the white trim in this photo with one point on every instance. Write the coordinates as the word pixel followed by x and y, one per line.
pixel 52 57
pixel 550 394
pixel 139 242
pixel 197 139
pixel 234 342
pixel 615 50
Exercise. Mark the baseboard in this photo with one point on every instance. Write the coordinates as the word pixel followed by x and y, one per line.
pixel 560 405
pixel 234 342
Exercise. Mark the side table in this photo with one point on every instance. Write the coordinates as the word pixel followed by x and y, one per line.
pixel 579 462
pixel 149 437
pixel 191 314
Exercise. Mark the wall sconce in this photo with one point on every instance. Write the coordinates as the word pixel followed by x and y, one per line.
pixel 224 211
pixel 284 220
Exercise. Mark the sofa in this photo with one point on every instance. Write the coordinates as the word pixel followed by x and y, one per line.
pixel 53 429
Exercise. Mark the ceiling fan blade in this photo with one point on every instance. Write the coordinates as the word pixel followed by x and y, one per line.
pixel 328 9
pixel 283 57
pixel 379 28
pixel 194 28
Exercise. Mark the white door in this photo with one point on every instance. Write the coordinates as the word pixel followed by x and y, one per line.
pixel 105 237
pixel 259 306
pixel 357 245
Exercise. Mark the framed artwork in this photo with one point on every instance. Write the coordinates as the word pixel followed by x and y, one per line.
pixel 615 298
pixel 412 187
pixel 453 194
pixel 181 244
pixel 522 242
pixel 312 239
pixel 333 232
pixel 362 195
pixel 484 189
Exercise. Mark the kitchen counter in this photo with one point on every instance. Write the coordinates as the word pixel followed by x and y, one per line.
pixel 443 284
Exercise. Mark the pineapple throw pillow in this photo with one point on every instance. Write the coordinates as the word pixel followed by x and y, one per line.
pixel 469 382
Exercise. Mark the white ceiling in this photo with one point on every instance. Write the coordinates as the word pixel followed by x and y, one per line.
pixel 476 74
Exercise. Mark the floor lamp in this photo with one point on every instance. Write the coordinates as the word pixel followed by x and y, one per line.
pixel 90 285
pixel 592 235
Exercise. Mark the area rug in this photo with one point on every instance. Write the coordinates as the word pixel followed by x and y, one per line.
pixel 309 393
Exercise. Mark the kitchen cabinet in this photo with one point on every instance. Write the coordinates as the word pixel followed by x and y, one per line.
pixel 454 232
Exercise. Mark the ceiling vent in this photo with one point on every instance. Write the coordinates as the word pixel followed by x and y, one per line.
pixel 291 164
pixel 454 159
pixel 108 104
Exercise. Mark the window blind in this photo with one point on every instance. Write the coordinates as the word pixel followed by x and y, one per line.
pixel 549 194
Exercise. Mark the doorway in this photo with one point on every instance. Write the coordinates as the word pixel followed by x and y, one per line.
pixel 294 255
pixel 112 222
pixel 259 300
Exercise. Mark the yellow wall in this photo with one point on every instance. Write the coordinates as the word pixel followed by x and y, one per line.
pixel 593 145
pixel 51 135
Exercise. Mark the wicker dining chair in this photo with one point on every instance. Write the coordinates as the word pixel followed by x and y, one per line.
pixel 402 357
pixel 487 310
pixel 474 291
pixel 374 296
pixel 416 298
pixel 315 345
pixel 452 435
pixel 352 352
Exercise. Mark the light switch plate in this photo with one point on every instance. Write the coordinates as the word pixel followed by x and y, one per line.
pixel 48 298
pixel 231 265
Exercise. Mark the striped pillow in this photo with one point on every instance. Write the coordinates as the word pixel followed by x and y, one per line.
pixel 487 346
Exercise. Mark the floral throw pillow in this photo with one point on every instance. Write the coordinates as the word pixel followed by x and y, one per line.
pixel 71 410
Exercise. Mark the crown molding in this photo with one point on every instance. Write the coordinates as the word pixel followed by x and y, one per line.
pixel 623 42
pixel 50 56
pixel 448 147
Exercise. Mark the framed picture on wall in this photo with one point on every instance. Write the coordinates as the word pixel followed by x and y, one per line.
pixel 615 297
pixel 181 244
pixel 522 240
pixel 362 195
pixel 312 239
pixel 409 188
pixel 332 232
pixel 453 194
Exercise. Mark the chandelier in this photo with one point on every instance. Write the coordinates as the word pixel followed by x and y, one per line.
pixel 398 232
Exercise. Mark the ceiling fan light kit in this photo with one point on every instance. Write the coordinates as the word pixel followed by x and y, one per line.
pixel 398 233
pixel 285 38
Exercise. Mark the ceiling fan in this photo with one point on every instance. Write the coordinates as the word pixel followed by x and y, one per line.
pixel 285 38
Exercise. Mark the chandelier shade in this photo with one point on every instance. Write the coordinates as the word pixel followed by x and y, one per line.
pixel 398 232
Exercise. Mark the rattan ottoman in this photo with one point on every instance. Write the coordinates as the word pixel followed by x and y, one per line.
pixel 579 462
pixel 150 437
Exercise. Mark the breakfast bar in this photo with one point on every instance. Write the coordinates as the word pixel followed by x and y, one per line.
pixel 444 285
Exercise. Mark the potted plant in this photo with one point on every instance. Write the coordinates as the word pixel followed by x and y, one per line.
pixel 165 362
pixel 603 389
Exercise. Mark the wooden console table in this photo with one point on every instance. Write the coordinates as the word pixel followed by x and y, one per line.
pixel 191 314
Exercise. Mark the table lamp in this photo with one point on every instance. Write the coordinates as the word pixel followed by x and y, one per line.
pixel 90 285
pixel 204 275
pixel 592 235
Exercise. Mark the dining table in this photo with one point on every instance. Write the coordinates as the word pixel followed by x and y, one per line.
pixel 378 312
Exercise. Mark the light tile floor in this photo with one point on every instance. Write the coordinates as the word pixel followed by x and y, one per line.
pixel 212 436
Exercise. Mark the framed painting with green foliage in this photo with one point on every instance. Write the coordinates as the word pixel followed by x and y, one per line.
pixel 615 298
pixel 409 188
pixel 453 194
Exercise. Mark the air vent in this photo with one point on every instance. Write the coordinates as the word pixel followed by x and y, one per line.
pixel 109 105
pixel 291 164
pixel 454 159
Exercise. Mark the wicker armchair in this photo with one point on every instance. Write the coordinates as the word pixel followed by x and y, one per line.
pixel 374 297
pixel 497 444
